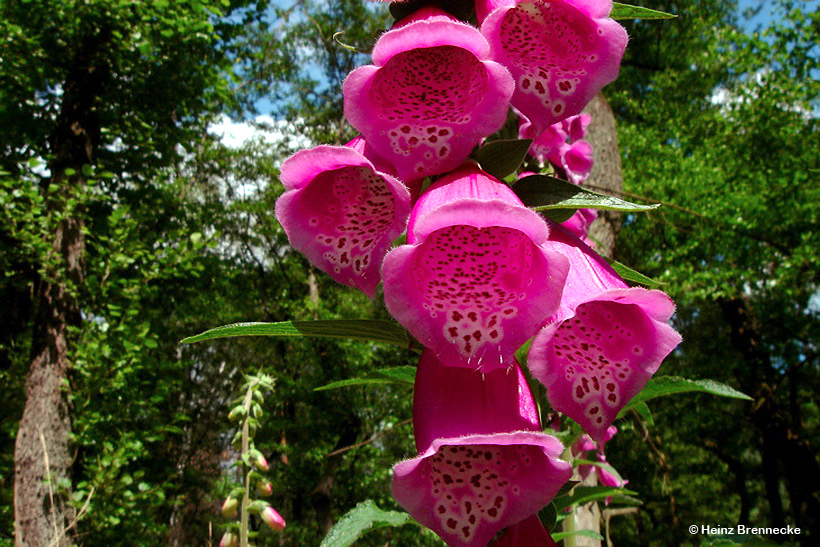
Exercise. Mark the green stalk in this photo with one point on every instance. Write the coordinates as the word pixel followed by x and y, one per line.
pixel 246 499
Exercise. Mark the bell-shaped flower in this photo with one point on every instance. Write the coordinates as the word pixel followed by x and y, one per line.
pixel 579 223
pixel 430 94
pixel 473 282
pixel 229 539
pixel 586 449
pixel 605 342
pixel 562 145
pixel 272 518
pixel 342 211
pixel 484 463
pixel 561 53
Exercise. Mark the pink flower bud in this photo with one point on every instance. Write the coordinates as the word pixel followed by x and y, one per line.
pixel 261 463
pixel 229 507
pixel 229 540
pixel 264 488
pixel 272 518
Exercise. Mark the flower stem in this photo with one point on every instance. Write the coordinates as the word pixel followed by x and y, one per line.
pixel 246 472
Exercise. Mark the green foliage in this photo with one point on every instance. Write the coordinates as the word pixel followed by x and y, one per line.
pixel 359 520
pixel 545 193
pixel 355 329
pixel 669 385
pixel 501 158
pixel 398 375
pixel 626 11
pixel 721 127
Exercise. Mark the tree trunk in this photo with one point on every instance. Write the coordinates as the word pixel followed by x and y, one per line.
pixel 785 450
pixel 42 455
pixel 606 171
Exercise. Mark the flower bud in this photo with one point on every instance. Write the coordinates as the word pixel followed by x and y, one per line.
pixel 229 507
pixel 264 488
pixel 272 518
pixel 229 540
pixel 237 413
pixel 261 463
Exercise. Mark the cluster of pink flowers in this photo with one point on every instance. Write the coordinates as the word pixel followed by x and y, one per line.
pixel 480 273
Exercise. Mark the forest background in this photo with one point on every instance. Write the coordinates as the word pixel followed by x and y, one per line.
pixel 127 223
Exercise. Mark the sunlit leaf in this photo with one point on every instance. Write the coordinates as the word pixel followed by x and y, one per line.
pixel 542 193
pixel 626 11
pixel 364 517
pixel 355 329
pixel 398 375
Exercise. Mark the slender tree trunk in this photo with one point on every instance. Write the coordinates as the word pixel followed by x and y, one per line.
pixel 606 171
pixel 42 456
pixel 785 451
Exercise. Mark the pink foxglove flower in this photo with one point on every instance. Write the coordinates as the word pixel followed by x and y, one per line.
pixel 474 282
pixel 489 473
pixel 342 211
pixel 229 539
pixel 563 146
pixel 561 53
pixel 579 223
pixel 605 342
pixel 430 94
pixel 229 507
pixel 272 518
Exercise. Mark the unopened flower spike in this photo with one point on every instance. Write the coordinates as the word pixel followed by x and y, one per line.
pixel 430 95
pixel 473 282
pixel 484 463
pixel 342 210
pixel 605 342
pixel 560 52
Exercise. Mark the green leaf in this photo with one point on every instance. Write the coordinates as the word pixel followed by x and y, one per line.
pixel 625 11
pixel 633 276
pixel 669 385
pixel 396 375
pixel 501 158
pixel 586 494
pixel 359 520
pixel 580 461
pixel 558 536
pixel 371 330
pixel 542 193
pixel 644 412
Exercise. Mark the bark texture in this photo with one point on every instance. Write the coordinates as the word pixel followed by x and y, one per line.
pixel 42 456
pixel 606 173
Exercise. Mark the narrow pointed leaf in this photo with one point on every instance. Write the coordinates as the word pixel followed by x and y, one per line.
pixel 501 158
pixel 356 329
pixel 542 193
pixel 643 411
pixel 397 375
pixel 669 385
pixel 633 276
pixel 626 11
pixel 585 494
pixel 364 517
pixel 578 461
